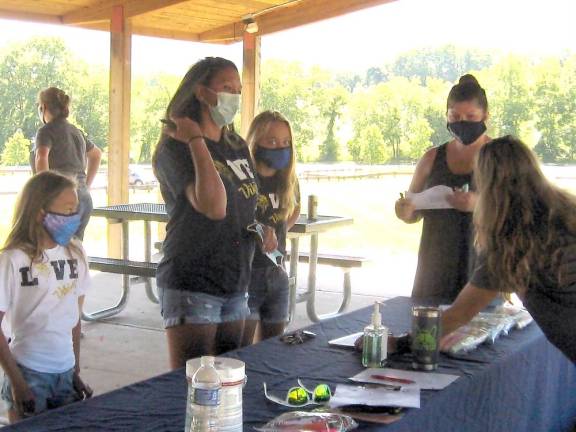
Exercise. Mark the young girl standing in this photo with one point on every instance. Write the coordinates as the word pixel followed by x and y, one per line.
pixel 270 141
pixel 44 276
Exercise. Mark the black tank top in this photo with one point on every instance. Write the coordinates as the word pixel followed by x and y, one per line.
pixel 446 252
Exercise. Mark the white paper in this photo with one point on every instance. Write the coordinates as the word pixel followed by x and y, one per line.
pixel 422 380
pixel 375 396
pixel 345 341
pixel 431 199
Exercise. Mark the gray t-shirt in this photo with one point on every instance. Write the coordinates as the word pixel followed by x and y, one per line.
pixel 550 297
pixel 68 148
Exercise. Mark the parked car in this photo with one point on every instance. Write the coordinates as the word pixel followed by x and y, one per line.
pixel 134 178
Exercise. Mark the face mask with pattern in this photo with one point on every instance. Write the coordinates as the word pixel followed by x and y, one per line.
pixel 61 228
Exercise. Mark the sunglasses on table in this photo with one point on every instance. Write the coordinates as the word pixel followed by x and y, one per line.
pixel 301 396
pixel 297 337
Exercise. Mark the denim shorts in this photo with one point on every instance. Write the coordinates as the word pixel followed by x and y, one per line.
pixel 51 390
pixel 184 307
pixel 268 295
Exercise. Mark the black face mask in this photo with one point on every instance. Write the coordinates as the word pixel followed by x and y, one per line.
pixel 466 131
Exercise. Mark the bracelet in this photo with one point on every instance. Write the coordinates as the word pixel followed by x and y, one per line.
pixel 193 138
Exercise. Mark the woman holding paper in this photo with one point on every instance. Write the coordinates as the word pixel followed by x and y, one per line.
pixel 445 256
pixel 526 235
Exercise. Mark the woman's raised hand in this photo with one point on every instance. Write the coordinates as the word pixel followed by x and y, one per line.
pixel 183 129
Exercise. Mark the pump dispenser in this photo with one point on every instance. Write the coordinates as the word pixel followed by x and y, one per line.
pixel 375 349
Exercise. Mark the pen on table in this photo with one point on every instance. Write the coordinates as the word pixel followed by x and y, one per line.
pixel 392 379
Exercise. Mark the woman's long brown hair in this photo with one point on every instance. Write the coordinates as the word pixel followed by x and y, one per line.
pixel 287 177
pixel 520 217
pixel 37 195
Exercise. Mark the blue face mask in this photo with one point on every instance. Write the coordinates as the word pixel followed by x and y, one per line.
pixel 61 227
pixel 278 158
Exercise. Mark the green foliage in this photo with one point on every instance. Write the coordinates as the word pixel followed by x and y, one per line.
pixel 312 101
pixel 25 69
pixel 397 109
pixel 16 150
pixel 150 97
pixel 447 63
pixel 390 113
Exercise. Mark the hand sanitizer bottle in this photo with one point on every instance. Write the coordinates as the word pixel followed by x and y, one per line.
pixel 375 350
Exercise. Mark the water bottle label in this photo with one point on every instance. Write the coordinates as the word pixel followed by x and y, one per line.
pixel 206 397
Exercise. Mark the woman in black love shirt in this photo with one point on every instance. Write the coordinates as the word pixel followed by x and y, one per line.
pixel 207 181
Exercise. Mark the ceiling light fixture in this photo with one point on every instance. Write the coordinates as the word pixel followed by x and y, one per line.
pixel 251 26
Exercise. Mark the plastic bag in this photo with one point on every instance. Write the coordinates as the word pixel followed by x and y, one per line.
pixel 309 422
pixel 465 339
pixel 521 317
pixel 495 323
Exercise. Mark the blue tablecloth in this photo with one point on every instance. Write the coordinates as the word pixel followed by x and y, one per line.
pixel 522 383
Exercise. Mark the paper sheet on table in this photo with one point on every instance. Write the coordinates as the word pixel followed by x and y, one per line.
pixel 431 199
pixel 375 396
pixel 345 341
pixel 422 380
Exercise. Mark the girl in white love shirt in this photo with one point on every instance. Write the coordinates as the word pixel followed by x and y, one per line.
pixel 43 279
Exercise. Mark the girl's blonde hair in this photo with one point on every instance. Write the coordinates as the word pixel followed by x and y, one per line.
pixel 520 217
pixel 38 194
pixel 288 182
pixel 56 101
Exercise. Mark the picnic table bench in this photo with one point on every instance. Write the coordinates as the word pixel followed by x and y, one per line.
pixel 144 271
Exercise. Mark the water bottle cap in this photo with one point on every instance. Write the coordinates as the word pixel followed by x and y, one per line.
pixel 207 360
pixel 230 370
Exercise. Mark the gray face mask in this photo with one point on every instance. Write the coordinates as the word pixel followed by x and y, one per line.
pixel 226 108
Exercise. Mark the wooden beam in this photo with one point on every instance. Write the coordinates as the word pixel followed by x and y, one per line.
pixel 164 33
pixel 119 141
pixel 304 12
pixel 102 11
pixel 250 80
pixel 29 16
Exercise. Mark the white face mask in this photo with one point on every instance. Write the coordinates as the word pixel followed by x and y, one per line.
pixel 223 113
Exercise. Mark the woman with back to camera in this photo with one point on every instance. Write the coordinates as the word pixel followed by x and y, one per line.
pixel 526 236
pixel 62 147
pixel 446 253
pixel 207 180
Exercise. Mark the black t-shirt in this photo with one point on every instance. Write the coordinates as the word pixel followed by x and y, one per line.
pixel 551 300
pixel 200 254
pixel 269 212
pixel 68 147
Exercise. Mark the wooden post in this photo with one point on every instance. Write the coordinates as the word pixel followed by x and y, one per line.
pixel 119 139
pixel 250 80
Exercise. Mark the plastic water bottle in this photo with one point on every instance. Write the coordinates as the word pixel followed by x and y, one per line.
pixel 206 390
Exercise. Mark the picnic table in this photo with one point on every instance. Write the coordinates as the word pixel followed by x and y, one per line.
pixel 155 212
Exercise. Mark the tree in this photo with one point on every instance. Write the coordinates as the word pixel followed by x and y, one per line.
pixel 16 150
pixel 555 103
pixel 25 69
pixel 396 108
pixel 447 63
pixel 509 93
pixel 150 98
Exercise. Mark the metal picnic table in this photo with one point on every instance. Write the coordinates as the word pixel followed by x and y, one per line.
pixel 155 212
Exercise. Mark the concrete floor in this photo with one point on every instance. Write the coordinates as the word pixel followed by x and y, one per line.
pixel 131 346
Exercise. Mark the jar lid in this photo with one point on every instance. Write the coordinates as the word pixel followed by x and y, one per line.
pixel 230 370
